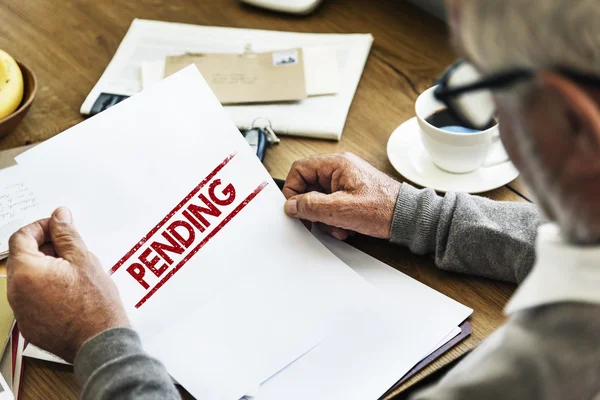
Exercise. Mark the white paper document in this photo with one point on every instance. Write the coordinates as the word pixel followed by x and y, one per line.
pixel 321 70
pixel 18 205
pixel 320 116
pixel 363 360
pixel 223 288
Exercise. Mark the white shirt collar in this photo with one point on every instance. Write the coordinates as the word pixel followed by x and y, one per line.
pixel 562 273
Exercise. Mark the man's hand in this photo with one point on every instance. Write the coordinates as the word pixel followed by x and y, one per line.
pixel 57 288
pixel 344 193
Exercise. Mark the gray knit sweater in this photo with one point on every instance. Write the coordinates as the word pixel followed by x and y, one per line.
pixel 550 352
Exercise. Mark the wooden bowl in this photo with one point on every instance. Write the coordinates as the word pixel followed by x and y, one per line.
pixel 9 123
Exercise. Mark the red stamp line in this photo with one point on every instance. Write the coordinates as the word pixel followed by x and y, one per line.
pixel 167 217
pixel 200 245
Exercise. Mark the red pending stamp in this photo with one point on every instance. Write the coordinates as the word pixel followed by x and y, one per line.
pixel 194 221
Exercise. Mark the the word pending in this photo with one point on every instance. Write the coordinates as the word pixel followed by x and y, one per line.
pixel 183 232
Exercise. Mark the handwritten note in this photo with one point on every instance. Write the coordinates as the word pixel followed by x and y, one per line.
pixel 17 203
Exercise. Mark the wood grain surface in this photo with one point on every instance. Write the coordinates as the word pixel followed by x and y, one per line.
pixel 69 43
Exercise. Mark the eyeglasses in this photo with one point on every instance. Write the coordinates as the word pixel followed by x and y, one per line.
pixel 468 95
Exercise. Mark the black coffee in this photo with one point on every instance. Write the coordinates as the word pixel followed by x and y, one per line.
pixel 445 120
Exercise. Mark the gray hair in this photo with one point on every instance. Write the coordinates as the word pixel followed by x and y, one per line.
pixel 500 34
pixel 542 33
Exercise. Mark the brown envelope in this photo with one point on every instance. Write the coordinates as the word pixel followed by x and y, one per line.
pixel 250 77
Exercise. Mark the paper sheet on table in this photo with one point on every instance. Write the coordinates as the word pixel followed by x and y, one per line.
pixel 260 291
pixel 319 117
pixel 320 69
pixel 32 351
pixel 18 205
pixel 378 358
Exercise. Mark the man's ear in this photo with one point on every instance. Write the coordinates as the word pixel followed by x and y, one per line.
pixel 581 103
pixel 453 8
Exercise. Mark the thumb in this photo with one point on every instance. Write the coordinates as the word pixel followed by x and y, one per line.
pixel 65 238
pixel 316 207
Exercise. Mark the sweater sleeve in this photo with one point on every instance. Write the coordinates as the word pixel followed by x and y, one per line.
pixel 468 234
pixel 113 365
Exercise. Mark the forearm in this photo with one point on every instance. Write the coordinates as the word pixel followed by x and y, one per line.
pixel 468 234
pixel 114 366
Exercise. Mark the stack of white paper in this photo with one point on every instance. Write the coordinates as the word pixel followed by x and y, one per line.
pixel 230 294
pixel 363 360
pixel 319 117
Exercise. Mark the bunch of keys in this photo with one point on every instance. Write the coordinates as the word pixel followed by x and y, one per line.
pixel 259 137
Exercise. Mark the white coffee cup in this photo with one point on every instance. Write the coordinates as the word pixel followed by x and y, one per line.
pixel 457 152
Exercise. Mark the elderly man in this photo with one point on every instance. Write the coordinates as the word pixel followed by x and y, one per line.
pixel 541 61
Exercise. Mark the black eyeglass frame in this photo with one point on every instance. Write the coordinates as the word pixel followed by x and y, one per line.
pixel 495 82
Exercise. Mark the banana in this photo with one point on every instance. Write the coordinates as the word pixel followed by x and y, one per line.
pixel 11 85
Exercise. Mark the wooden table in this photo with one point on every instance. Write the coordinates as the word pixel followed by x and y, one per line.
pixel 68 45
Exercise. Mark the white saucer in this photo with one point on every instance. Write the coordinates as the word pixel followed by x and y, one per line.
pixel 409 158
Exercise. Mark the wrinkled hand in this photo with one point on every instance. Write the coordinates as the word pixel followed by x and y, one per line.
pixel 342 192
pixel 57 288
